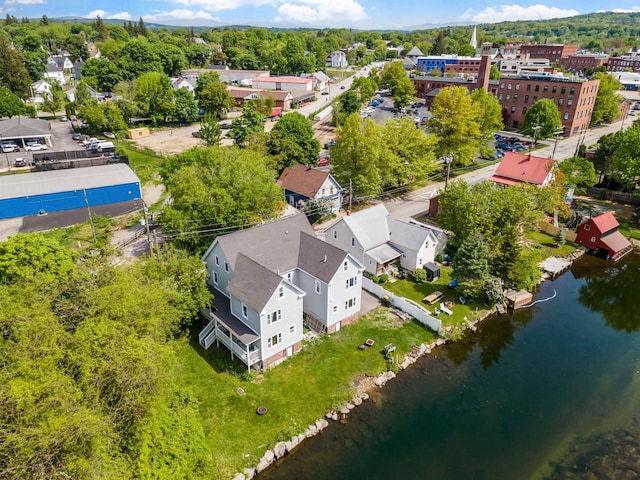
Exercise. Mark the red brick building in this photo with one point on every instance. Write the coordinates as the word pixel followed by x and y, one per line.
pixel 581 62
pixel 467 66
pixel 574 99
pixel 553 51
pixel 629 62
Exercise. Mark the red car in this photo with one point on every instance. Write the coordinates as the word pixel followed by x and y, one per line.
pixel 323 162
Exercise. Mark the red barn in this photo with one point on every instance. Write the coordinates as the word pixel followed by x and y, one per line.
pixel 601 234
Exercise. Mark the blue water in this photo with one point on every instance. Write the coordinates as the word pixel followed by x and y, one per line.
pixel 548 392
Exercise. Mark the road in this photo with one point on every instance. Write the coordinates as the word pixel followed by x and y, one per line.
pixel 416 203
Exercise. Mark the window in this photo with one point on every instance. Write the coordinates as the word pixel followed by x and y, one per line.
pixel 515 98
pixel 318 286
pixel 345 266
pixel 292 329
pixel 281 291
pixel 517 86
pixel 217 260
pixel 569 102
pixel 560 101
pixel 535 98
pixel 273 317
pixel 500 96
pixel 335 308
pixel 323 189
pixel 215 277
pixel 352 281
pixel 289 276
pixel 513 109
pixel 526 99
pixel 508 97
pixel 245 311
pixel 546 88
pixel 529 87
pixel 566 115
pixel 275 340
pixel 563 90
pixel 554 89
pixel 226 267
pixel 537 89
pixel 508 86
pixel 593 239
pixel 350 303
pixel 353 242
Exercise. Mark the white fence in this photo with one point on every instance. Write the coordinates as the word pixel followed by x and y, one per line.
pixel 408 306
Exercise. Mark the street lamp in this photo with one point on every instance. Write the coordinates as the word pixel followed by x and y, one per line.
pixel 555 145
pixel 448 158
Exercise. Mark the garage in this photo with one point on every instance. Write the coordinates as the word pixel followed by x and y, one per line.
pixel 19 130
pixel 60 190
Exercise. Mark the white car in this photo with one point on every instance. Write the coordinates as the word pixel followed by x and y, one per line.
pixel 36 147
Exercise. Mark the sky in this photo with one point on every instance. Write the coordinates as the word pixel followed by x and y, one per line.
pixel 358 14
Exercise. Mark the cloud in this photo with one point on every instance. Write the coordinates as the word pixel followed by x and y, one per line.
pixel 103 15
pixel 24 2
pixel 626 10
pixel 95 13
pixel 217 5
pixel 177 15
pixel 121 16
pixel 506 13
pixel 328 12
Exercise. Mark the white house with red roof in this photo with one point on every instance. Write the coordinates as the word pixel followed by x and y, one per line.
pixel 600 234
pixel 517 168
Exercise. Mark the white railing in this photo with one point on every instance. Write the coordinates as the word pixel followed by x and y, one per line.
pixel 204 334
pixel 408 306
pixel 249 360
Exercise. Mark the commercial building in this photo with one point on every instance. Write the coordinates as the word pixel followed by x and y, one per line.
pixel 551 51
pixel 58 190
pixel 582 62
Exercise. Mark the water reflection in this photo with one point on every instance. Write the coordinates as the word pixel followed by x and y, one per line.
pixel 613 292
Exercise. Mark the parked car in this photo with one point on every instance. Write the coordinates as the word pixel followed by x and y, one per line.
pixel 63 118
pixel 330 143
pixel 35 147
pixel 323 162
pixel 225 125
pixel 325 92
pixel 9 148
pixel 20 162
pixel 77 136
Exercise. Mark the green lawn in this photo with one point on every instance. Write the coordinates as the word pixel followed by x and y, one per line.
pixel 417 291
pixel 145 165
pixel 630 229
pixel 545 245
pixel 296 393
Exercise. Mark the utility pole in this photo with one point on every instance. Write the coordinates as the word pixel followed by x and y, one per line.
pixel 146 226
pixel 350 195
pixel 93 228
pixel 448 158
pixel 555 145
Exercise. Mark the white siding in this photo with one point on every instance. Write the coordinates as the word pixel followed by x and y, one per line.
pixel 339 293
pixel 290 307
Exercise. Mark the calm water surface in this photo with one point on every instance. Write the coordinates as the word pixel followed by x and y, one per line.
pixel 549 392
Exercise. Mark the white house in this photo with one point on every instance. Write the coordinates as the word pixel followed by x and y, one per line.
pixel 337 59
pixel 40 89
pixel 55 74
pixel 180 82
pixel 62 61
pixel 303 184
pixel 379 241
pixel 269 280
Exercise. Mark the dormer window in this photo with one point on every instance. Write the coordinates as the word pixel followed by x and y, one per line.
pixel 345 265
pixel 281 291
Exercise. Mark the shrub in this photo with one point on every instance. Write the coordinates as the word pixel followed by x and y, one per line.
pixel 560 238
pixel 419 275
pixel 375 279
pixel 384 278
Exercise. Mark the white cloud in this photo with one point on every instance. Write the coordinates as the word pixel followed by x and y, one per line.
pixel 626 10
pixel 506 13
pixel 177 15
pixel 217 5
pixel 121 16
pixel 328 12
pixel 24 2
pixel 96 13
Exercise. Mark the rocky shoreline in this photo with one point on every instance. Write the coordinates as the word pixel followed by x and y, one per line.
pixel 363 387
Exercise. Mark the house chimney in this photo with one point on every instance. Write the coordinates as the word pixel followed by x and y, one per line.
pixel 485 67
pixel 325 259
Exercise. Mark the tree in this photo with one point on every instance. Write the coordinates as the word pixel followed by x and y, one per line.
pixel 356 155
pixel 607 105
pixel 153 95
pixel 13 73
pixel 225 187
pixel 25 256
pixel 210 131
pixel 77 47
pixel 250 122
pixel 292 141
pixel 138 57
pixel 625 157
pixel 349 102
pixel 391 73
pixel 494 73
pixel 455 124
pixel 215 99
pixel 365 87
pixel 489 119
pixel 440 44
pixel 204 80
pixel 171 57
pixel 541 121
pixel 101 74
pixel 185 109
pixel 10 104
pixel 403 92
pixel 578 171
pixel 82 93
pixel 471 261
pixel 101 30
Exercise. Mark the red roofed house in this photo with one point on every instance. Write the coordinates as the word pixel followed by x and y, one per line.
pixel 284 83
pixel 601 234
pixel 302 184
pixel 517 168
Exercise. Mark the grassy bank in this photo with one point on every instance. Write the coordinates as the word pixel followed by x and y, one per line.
pixel 145 164
pixel 296 393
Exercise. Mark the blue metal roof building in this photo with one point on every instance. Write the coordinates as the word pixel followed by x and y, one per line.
pixel 58 190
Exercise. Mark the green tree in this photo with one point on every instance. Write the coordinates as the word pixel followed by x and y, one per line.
pixel 225 187
pixel 215 99
pixel 607 105
pixel 153 95
pixel 403 92
pixel 210 131
pixel 204 80
pixel 471 261
pixel 578 171
pixel 172 58
pixel 101 74
pixel 101 30
pixel 356 156
pixel 439 45
pixel 494 73
pixel 392 73
pixel 25 256
pixel 365 87
pixel 82 93
pixel 541 121
pixel 13 73
pixel 10 104
pixel 138 57
pixel 454 121
pixel 251 121
pixel 77 47
pixel 625 157
pixel 489 119
pixel 185 109
pixel 292 141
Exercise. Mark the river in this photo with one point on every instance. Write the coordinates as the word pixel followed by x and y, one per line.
pixel 549 392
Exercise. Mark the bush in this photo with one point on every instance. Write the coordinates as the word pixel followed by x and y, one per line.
pixel 419 275
pixel 375 279
pixel 384 278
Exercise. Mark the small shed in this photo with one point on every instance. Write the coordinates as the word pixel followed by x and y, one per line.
pixel 432 270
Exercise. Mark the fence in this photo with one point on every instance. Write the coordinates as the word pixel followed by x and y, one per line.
pixel 604 194
pixel 408 306
pixel 47 163
pixel 569 235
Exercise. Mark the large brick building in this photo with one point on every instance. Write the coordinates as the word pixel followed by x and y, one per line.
pixel 581 62
pixel 552 51
pixel 574 99
pixel 628 62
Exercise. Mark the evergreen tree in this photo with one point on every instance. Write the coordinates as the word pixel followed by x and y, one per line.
pixel 101 29
pixel 142 28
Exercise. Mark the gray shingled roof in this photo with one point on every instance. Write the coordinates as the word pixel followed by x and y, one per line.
pixel 318 258
pixel 54 181
pixel 408 235
pixel 252 283
pixel 369 226
pixel 17 127
pixel 274 245
pixel 415 52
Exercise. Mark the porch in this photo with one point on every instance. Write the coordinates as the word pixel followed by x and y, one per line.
pixel 385 256
pixel 223 327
